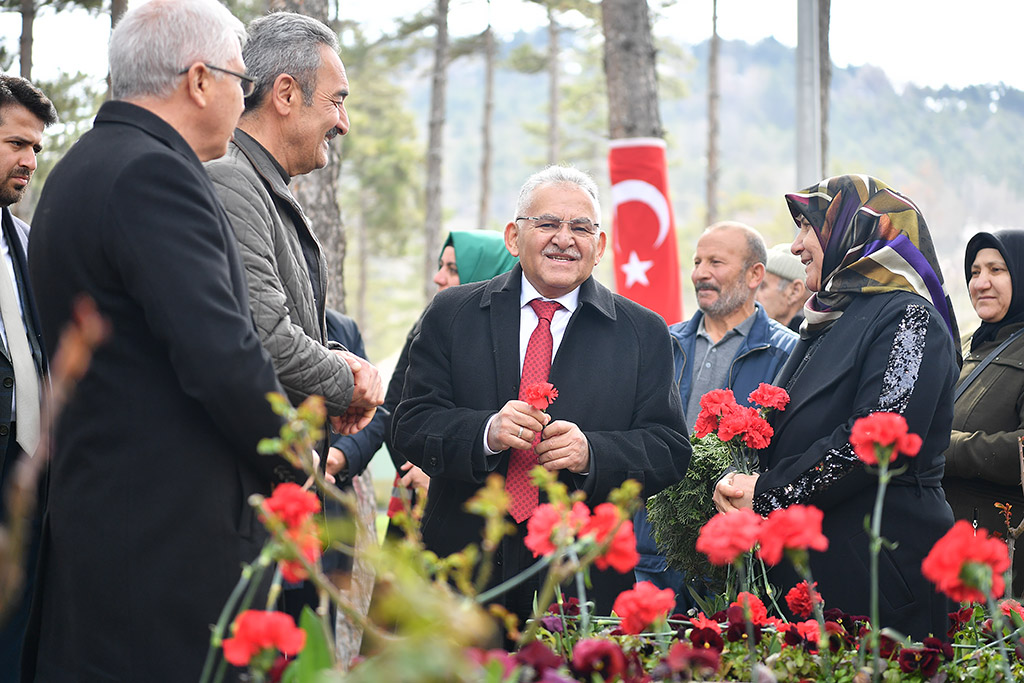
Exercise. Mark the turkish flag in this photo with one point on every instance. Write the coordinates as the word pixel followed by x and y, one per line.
pixel 643 227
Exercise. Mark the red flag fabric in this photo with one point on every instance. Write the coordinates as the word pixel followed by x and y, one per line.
pixel 643 227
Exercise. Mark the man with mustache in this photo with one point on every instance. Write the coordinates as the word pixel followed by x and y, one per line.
pixel 729 343
pixel 24 113
pixel 296 109
pixel 617 415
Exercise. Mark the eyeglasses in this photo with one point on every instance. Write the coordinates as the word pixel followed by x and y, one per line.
pixel 247 83
pixel 549 225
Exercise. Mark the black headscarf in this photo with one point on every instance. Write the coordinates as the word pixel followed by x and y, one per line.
pixel 1010 244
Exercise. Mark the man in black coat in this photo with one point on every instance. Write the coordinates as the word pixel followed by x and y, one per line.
pixel 148 522
pixel 618 413
pixel 24 113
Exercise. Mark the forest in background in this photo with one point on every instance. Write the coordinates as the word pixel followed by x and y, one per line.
pixel 952 151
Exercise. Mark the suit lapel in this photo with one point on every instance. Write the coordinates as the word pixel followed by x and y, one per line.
pixel 504 321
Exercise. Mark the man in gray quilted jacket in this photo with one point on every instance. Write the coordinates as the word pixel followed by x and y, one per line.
pixel 296 109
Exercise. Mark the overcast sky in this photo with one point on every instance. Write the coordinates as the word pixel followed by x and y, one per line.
pixel 920 41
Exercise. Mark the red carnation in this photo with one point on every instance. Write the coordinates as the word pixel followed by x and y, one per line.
pixel 540 395
pixel 749 601
pixel 768 396
pixel 621 554
pixel 963 563
pixel 884 433
pixel 726 536
pixel 701 621
pixel 641 605
pixel 552 525
pixel 255 631
pixel 1011 607
pixel 799 599
pixel 797 527
pixel 292 504
pixel 309 546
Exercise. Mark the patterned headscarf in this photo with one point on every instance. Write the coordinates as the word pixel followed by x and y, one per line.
pixel 1010 244
pixel 874 240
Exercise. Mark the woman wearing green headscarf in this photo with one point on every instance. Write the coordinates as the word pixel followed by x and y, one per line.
pixel 467 256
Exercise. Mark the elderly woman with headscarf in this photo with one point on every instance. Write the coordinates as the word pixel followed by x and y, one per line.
pixel 982 461
pixel 878 337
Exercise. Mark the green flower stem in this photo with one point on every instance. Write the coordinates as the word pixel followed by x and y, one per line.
pixel 581 593
pixel 217 637
pixel 768 587
pixel 997 627
pixel 509 584
pixel 874 547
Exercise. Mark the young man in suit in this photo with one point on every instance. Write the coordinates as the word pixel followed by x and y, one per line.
pixel 148 521
pixel 618 414
pixel 24 113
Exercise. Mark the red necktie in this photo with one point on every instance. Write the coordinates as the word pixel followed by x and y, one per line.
pixel 536 365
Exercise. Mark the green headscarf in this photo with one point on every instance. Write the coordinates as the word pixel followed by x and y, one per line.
pixel 479 254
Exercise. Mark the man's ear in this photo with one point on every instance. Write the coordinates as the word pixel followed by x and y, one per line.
pixel 285 94
pixel 755 275
pixel 795 291
pixel 512 238
pixel 198 81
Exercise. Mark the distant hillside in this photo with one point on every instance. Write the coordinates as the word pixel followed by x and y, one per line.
pixel 955 152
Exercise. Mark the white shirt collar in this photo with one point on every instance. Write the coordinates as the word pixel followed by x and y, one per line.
pixel 529 293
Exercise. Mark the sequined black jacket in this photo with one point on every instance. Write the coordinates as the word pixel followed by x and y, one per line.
pixel 888 352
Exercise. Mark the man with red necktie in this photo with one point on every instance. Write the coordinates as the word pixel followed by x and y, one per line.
pixel 618 415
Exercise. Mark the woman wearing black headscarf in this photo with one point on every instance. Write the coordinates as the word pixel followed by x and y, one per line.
pixel 878 337
pixel 982 461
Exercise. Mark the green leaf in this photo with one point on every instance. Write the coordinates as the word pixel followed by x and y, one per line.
pixel 317 655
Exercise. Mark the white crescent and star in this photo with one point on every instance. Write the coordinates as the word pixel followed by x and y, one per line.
pixel 634 269
pixel 645 193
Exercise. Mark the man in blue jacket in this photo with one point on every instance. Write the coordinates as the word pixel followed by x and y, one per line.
pixel 729 343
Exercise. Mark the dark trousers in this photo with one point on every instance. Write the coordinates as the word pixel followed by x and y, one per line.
pixel 15 619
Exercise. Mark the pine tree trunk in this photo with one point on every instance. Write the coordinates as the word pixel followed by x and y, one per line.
pixel 629 70
pixel 711 197
pixel 553 96
pixel 28 18
pixel 483 216
pixel 435 150
pixel 825 71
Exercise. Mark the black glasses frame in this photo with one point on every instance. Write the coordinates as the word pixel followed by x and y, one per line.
pixel 247 83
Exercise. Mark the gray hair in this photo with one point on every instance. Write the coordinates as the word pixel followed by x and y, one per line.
pixel 557 175
pixel 154 42
pixel 285 43
pixel 757 252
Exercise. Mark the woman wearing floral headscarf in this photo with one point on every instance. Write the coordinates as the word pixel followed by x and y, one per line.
pixel 878 337
pixel 982 462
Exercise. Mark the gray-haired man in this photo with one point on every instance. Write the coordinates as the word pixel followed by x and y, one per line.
pixel 296 109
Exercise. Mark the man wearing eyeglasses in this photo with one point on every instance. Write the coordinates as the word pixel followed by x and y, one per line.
pixel 617 415
pixel 148 522
pixel 296 109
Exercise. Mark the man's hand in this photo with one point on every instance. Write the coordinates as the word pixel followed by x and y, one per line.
pixel 414 477
pixel 564 447
pixel 515 425
pixel 352 421
pixel 735 491
pixel 336 461
pixel 367 389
